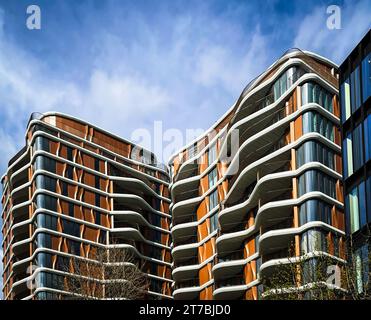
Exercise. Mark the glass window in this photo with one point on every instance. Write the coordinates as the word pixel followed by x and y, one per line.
pixel 70 227
pixel 311 151
pixel 212 154
pixel 73 247
pixel 368 192
pixel 367 137
pixel 97 217
pixel 46 202
pixel 192 151
pixel 49 280
pixel 361 263
pixel 345 100
pixel 69 172
pixel 313 240
pixel 314 93
pixel 69 154
pixel 348 155
pixel 41 143
pixel 43 240
pixel 45 163
pixel 314 122
pixel 366 77
pixel 213 177
pixel 213 199
pixel 313 180
pixel 214 222
pixel 355 93
pixel 45 182
pixel 286 80
pixel 314 210
pixel 47 221
pixel 356 207
pixel 44 260
pixel 357 147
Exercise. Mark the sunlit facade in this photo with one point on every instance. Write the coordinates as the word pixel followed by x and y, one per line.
pixel 266 177
pixel 73 188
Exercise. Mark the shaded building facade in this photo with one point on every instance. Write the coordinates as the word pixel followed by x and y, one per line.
pixel 355 95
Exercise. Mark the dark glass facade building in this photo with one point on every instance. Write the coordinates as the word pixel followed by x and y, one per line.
pixel 355 97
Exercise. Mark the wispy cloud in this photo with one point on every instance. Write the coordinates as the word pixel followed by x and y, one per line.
pixel 335 44
pixel 122 66
pixel 166 72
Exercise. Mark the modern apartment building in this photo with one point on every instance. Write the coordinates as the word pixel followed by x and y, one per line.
pixel 73 188
pixel 260 188
pixel 355 95
pixel 267 176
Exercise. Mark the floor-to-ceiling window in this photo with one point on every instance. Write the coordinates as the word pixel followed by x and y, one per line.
pixel 311 151
pixel 315 122
pixel 367 137
pixel 212 177
pixel 357 147
pixel 315 180
pixel 355 202
pixel 313 93
pixel 355 90
pixel 366 77
pixel 345 100
pixel 353 151
pixel 314 210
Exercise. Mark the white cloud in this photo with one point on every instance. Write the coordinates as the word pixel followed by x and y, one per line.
pixel 111 99
pixel 217 65
pixel 335 44
pixel 7 149
pixel 123 96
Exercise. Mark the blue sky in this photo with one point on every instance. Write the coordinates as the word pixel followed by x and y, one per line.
pixel 142 61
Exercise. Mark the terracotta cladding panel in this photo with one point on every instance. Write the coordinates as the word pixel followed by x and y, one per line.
pixel 298 124
pixel 90 233
pixel 70 126
pixel 90 148
pixel 89 197
pixel 204 185
pixel 335 102
pixel 202 209
pixel 337 136
pixel 88 179
pixel 88 161
pixel 208 249
pixel 111 143
pixel 248 274
pixel 207 293
pixel 204 275
pixel 339 191
pixel 338 164
pixel 203 230
pixel 53 147
pixel 203 163
pixel 88 216
pixel 251 219
pixel 63 151
pixel 221 192
pixel 55 242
